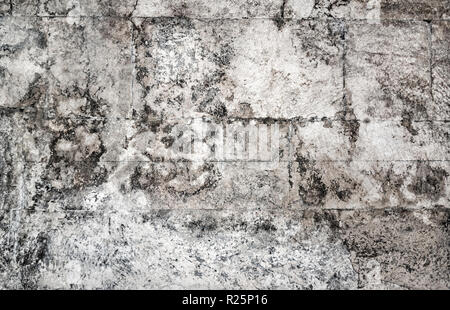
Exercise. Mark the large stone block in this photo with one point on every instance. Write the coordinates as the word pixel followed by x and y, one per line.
pixel 401 249
pixel 263 144
pixel 415 9
pixel 441 66
pixel 219 9
pixel 34 137
pixel 180 250
pixel 238 68
pixel 90 67
pixel 346 140
pixel 131 186
pixel 368 184
pixel 248 249
pixel 372 10
pixel 23 57
pixel 74 67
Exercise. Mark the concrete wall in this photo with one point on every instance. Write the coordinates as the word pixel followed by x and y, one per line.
pixel 264 144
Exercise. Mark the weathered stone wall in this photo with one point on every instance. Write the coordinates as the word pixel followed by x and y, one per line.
pixel 261 144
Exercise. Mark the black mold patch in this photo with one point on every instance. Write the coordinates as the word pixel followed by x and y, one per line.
pixel 321 41
pixel 72 170
pixel 207 95
pixel 72 177
pixel 349 123
pixel 56 8
pixel 420 10
pixel 206 224
pixel 327 218
pixel 265 226
pixel 343 188
pixel 36 91
pixel 209 183
pixel 311 189
pixel 408 124
pixel 391 184
pixel 429 182
pixel 30 257
pixel 148 178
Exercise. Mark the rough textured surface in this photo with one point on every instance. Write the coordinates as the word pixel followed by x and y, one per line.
pixel 264 144
pixel 239 68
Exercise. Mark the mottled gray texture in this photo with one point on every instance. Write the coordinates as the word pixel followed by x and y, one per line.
pixel 264 144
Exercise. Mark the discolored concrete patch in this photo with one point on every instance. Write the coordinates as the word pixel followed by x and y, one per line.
pixel 23 62
pixel 258 249
pixel 261 144
pixel 45 7
pixel 388 71
pixel 405 249
pixel 278 10
pixel 415 9
pixel 5 7
pixel 346 140
pixel 90 67
pixel 190 249
pixel 191 68
pixel 368 185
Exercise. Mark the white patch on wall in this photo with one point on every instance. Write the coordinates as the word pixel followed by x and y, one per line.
pixel 300 8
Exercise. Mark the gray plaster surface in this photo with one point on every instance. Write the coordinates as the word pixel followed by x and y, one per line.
pixel 229 144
